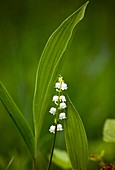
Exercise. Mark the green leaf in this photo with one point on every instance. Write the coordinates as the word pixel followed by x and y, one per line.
pixel 75 138
pixel 61 158
pixel 18 118
pixel 9 164
pixel 109 130
pixel 49 66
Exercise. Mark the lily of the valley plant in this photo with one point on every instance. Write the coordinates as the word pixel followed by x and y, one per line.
pixel 58 111
pixel 62 107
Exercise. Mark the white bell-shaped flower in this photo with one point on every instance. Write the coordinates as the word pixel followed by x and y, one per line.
pixel 57 85
pixel 52 129
pixel 63 105
pixel 62 116
pixel 62 98
pixel 59 127
pixel 64 86
pixel 55 98
pixel 53 110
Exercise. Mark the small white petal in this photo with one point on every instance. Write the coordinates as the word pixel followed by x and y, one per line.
pixel 57 85
pixel 52 129
pixel 55 99
pixel 64 86
pixel 62 116
pixel 63 105
pixel 62 98
pixel 59 127
pixel 53 110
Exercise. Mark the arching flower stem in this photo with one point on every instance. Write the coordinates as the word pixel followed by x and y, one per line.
pixel 56 122
pixel 59 101
pixel 53 145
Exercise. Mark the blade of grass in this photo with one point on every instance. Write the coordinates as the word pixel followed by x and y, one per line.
pixel 75 138
pixel 9 164
pixel 49 66
pixel 18 119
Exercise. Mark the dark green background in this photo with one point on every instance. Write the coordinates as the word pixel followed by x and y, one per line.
pixel 89 68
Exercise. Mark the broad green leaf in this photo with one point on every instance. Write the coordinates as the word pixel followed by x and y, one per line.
pixel 61 158
pixel 75 138
pixel 49 66
pixel 109 130
pixel 18 119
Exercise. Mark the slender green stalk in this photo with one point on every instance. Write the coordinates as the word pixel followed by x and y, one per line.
pixel 35 163
pixel 53 145
pixel 56 120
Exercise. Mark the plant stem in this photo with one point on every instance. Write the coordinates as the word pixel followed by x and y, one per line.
pixel 35 164
pixel 53 145
pixel 35 160
pixel 56 121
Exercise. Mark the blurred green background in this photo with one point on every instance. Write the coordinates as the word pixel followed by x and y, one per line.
pixel 89 70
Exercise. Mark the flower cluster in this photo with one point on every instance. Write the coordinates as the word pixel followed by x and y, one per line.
pixel 60 104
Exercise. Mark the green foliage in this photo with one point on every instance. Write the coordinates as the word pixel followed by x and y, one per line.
pixel 49 66
pixel 89 69
pixel 109 130
pixel 18 119
pixel 48 69
pixel 75 137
